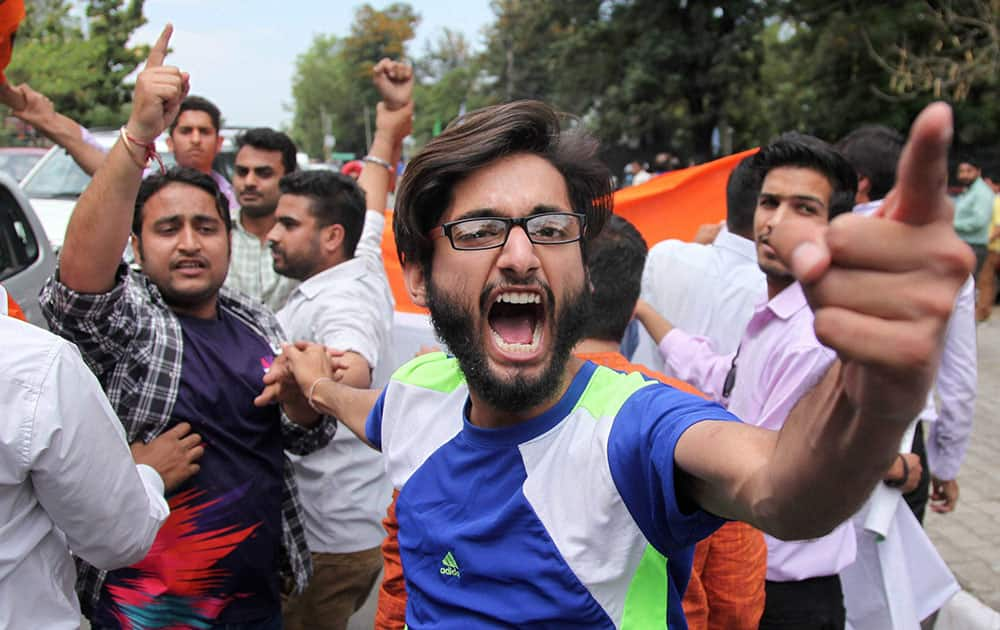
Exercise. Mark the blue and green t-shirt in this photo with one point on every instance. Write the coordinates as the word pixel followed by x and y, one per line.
pixel 570 519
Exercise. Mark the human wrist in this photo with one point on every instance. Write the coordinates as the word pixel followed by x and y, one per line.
pixel 310 395
pixel 893 482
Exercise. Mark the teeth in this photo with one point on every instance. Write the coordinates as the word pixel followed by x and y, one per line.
pixel 518 347
pixel 519 298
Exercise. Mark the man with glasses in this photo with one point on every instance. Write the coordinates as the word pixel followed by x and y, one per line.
pixel 540 490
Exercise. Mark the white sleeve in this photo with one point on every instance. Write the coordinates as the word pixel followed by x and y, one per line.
pixel 83 472
pixel 956 388
pixel 369 247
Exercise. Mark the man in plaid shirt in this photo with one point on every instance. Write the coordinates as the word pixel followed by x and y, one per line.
pixel 171 344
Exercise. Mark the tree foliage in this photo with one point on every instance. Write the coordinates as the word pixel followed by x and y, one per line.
pixel 83 70
pixel 332 86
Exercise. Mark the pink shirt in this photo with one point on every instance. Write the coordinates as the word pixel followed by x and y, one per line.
pixel 779 361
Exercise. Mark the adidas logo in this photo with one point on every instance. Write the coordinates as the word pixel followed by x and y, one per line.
pixel 449 566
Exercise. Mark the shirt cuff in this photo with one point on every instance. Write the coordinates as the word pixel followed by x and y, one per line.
pixel 153 483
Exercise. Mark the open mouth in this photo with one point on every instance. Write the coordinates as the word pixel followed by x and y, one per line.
pixel 515 320
pixel 189 265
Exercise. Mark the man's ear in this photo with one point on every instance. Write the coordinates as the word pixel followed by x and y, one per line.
pixel 332 238
pixel 864 189
pixel 416 283
pixel 136 248
pixel 218 142
pixel 170 143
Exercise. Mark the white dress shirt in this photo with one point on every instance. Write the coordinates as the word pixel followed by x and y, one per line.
pixel 343 487
pixel 67 480
pixel 956 386
pixel 705 290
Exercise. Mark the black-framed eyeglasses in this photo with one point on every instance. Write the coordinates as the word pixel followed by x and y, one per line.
pixel 548 228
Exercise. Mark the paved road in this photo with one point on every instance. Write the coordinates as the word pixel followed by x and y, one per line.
pixel 969 538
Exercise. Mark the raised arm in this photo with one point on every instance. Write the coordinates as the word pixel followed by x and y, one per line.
pixel 882 295
pixel 393 122
pixel 101 222
pixel 39 112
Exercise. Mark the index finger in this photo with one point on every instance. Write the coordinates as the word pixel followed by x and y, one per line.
pixel 159 50
pixel 922 174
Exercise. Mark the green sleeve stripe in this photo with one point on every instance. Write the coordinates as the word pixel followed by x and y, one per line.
pixel 435 371
pixel 646 600
pixel 608 390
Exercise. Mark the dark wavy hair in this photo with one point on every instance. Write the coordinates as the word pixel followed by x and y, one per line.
pixel 615 259
pixel 199 104
pixel 267 139
pixel 179 175
pixel 804 151
pixel 742 189
pixel 481 138
pixel 873 151
pixel 334 199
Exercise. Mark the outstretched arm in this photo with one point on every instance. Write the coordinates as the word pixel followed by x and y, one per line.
pixel 307 368
pixel 882 292
pixel 38 111
pixel 101 222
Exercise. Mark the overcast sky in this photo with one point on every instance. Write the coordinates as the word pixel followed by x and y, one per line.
pixel 241 53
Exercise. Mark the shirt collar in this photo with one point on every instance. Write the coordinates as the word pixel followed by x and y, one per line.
pixel 742 247
pixel 868 208
pixel 790 301
pixel 3 300
pixel 313 286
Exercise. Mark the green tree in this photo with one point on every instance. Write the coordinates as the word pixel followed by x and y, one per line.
pixel 332 88
pixel 647 75
pixel 111 24
pixel 448 80
pixel 84 75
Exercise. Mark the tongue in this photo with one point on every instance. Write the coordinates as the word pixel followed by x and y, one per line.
pixel 514 328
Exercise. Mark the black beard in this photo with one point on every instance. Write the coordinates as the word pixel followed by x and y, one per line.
pixel 454 326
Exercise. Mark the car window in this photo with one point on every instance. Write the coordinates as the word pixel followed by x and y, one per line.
pixel 18 247
pixel 17 165
pixel 59 177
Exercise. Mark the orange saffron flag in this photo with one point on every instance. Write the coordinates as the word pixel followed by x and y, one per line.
pixel 11 14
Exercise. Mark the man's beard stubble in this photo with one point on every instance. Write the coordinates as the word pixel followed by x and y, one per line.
pixel 454 326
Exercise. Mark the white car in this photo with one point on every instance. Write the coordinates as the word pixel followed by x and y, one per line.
pixel 26 260
pixel 56 181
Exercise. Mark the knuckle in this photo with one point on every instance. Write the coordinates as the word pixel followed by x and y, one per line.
pixel 838 237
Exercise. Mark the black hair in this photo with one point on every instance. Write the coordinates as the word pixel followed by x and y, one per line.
pixel 335 199
pixel 873 151
pixel 481 138
pixel 179 175
pixel 615 260
pixel 803 151
pixel 267 139
pixel 742 189
pixel 971 160
pixel 199 104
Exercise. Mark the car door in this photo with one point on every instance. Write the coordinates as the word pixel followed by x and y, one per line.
pixel 26 258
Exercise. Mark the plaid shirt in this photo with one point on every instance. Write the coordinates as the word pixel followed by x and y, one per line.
pixel 251 269
pixel 133 342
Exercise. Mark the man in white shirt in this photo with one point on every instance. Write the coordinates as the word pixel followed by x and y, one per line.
pixel 707 290
pixel 324 237
pixel 67 478
pixel 873 152
pixel 899 579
